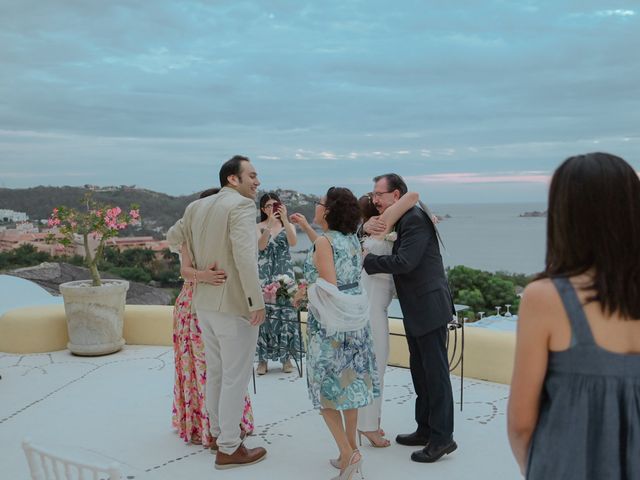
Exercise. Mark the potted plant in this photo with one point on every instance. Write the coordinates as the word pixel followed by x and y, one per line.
pixel 94 308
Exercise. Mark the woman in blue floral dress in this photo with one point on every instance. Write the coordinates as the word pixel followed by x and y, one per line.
pixel 278 338
pixel 341 367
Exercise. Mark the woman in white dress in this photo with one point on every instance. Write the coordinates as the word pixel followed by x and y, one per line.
pixel 380 290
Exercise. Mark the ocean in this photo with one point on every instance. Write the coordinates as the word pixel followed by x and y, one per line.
pixel 487 236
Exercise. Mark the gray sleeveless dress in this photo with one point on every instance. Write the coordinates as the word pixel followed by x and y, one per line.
pixel 589 425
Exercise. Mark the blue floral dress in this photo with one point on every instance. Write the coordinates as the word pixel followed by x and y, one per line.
pixel 278 338
pixel 341 368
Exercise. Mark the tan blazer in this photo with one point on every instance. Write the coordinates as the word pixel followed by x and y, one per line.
pixel 222 228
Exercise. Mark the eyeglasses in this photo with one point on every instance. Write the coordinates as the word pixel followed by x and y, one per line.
pixel 379 194
pixel 320 203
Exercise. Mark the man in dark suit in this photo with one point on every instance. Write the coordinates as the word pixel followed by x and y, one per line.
pixel 427 308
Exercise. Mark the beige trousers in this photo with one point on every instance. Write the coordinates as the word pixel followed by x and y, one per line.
pixel 229 347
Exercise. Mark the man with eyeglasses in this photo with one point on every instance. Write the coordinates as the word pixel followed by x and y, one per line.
pixel 427 308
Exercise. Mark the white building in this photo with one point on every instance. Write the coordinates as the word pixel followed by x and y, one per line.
pixel 7 215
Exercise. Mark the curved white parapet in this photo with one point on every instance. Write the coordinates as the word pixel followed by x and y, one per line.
pixel 488 354
pixel 44 328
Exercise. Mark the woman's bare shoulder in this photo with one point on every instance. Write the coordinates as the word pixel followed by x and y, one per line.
pixel 540 300
pixel 539 288
pixel 322 242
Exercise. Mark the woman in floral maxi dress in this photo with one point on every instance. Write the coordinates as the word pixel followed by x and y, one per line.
pixel 278 339
pixel 189 414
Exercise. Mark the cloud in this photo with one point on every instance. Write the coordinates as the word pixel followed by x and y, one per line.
pixel 484 178
pixel 493 87
pixel 616 13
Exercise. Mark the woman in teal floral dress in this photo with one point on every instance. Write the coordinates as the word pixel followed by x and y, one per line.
pixel 278 338
pixel 341 366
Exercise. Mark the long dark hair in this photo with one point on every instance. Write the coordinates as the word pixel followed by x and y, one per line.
pixel 263 201
pixel 343 211
pixel 594 223
pixel 208 192
pixel 367 208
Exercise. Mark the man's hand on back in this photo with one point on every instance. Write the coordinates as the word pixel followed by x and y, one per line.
pixel 257 317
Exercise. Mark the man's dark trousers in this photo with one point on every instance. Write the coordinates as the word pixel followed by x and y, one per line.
pixel 430 373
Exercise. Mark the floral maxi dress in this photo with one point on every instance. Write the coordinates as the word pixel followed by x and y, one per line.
pixel 341 368
pixel 190 417
pixel 278 338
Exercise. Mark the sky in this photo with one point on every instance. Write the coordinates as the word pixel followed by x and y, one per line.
pixel 472 101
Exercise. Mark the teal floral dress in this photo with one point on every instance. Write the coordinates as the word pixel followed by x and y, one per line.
pixel 278 338
pixel 341 368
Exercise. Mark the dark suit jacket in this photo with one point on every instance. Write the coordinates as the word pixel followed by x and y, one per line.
pixel 418 274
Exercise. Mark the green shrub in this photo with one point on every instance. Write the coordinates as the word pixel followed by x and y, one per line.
pixel 482 291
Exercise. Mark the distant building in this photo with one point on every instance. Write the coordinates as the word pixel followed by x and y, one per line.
pixel 27 227
pixel 109 188
pixel 125 243
pixel 12 216
pixel 13 238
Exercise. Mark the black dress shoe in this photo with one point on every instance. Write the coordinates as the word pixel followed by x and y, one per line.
pixel 411 439
pixel 431 453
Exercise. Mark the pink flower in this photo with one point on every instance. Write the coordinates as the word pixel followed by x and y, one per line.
pixel 114 212
pixel 135 214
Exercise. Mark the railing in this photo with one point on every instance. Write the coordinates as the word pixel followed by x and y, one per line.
pixel 455 328
pixel 298 354
pixel 456 357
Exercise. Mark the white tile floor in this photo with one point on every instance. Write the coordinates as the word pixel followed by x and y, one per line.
pixel 117 408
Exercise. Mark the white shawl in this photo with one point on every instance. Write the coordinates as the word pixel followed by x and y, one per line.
pixel 337 311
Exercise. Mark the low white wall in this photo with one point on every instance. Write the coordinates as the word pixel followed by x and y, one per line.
pixel 488 354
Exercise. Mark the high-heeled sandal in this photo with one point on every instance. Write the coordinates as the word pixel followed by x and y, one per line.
pixel 351 468
pixel 383 443
pixel 335 462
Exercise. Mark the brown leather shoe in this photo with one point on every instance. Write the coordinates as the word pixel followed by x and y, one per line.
pixel 214 443
pixel 242 457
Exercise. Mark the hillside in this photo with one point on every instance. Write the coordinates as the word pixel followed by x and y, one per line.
pixel 159 210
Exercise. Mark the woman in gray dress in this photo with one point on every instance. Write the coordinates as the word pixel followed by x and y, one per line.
pixel 574 408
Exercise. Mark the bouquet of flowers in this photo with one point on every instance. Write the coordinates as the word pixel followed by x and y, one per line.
pixel 284 288
pixel 391 236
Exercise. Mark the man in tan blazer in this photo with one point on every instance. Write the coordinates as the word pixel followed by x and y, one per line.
pixel 221 229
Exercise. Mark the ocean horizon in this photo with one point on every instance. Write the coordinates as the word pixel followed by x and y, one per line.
pixel 487 236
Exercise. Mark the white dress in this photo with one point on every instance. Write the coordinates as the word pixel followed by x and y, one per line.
pixel 380 290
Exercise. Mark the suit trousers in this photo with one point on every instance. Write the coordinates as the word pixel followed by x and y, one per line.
pixel 229 347
pixel 429 365
pixel 380 290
